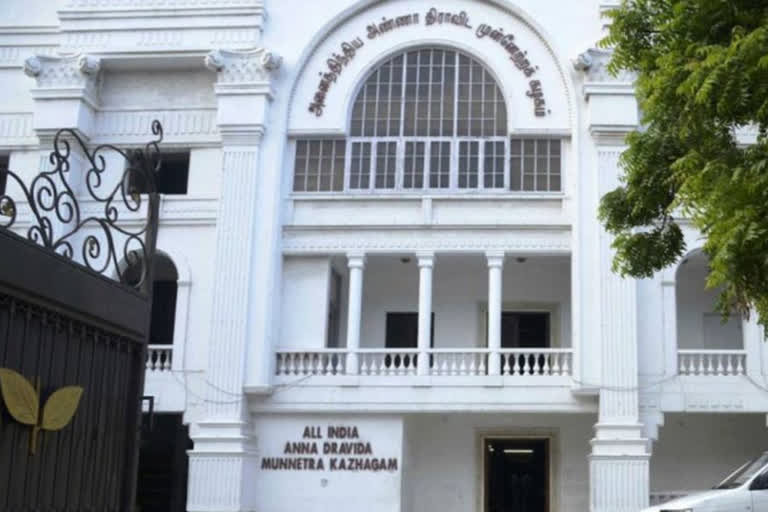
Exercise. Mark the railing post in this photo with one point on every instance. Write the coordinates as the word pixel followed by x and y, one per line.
pixel 356 264
pixel 495 265
pixel 426 262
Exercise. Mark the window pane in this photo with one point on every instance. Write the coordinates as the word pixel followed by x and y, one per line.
pixel 386 159
pixel 413 171
pixel 439 164
pixel 535 165
pixel 469 168
pixel 360 166
pixel 319 166
pixel 493 170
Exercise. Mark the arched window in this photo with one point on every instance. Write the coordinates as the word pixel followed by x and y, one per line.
pixel 164 292
pixel 428 119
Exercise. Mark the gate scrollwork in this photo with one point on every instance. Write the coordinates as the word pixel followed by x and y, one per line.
pixel 100 221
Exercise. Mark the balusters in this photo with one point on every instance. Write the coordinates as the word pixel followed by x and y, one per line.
pixel 739 365
pixel 711 363
pixel 158 359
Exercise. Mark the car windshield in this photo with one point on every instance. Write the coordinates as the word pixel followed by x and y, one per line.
pixel 744 473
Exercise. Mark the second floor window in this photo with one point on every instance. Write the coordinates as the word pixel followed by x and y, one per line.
pixel 173 177
pixel 428 119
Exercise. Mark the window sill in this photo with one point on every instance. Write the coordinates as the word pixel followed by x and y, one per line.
pixel 417 196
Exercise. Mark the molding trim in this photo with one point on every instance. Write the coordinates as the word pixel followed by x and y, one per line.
pixel 16 130
pixel 298 241
pixel 179 126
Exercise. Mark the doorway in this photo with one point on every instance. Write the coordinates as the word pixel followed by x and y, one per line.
pixel 516 475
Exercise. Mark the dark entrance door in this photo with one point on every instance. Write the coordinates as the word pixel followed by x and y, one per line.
pixel 516 475
pixel 402 331
pixel 162 484
pixel 524 329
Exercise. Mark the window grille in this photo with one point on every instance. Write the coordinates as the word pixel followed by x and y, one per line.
pixel 535 165
pixel 428 119
pixel 319 165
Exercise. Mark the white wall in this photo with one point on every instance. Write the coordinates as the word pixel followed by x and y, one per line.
pixel 323 491
pixel 443 463
pixel 161 89
pixel 697 451
pixel 698 325
pixel 305 302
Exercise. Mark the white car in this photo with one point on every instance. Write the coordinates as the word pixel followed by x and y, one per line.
pixel 746 489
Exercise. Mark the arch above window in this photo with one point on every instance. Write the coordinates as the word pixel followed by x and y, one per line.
pixel 429 92
pixel 428 119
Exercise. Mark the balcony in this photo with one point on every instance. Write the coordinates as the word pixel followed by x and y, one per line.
pixel 443 363
pixel 712 362
pixel 493 321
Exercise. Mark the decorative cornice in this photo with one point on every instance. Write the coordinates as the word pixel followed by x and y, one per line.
pixel 594 64
pixel 243 67
pixel 611 135
pixel 164 4
pixel 242 135
pixel 71 73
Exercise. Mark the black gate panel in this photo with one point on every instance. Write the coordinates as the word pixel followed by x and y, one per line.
pixel 78 328
pixel 64 325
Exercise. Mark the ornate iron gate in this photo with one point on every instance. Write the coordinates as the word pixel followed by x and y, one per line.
pixel 65 325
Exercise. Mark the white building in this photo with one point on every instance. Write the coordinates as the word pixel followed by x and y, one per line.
pixel 383 235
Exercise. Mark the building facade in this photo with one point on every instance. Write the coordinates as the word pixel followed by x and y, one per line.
pixel 383 285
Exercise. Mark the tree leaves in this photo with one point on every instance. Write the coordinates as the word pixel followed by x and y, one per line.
pixel 702 74
pixel 19 396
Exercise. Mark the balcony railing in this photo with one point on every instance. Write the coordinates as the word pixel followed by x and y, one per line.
pixel 543 362
pixel 159 358
pixel 712 362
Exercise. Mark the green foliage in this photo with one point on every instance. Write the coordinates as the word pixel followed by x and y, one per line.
pixel 702 72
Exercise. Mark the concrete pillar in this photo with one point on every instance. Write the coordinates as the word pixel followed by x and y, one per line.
pixel 426 263
pixel 619 462
pixel 356 264
pixel 224 459
pixel 495 267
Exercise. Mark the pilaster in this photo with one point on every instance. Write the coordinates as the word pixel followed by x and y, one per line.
pixel 224 458
pixel 66 95
pixel 619 462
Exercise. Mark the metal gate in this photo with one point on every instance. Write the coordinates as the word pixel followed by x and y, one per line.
pixel 72 340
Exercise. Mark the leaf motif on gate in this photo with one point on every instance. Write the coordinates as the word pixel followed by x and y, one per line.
pixel 20 397
pixel 60 407
pixel 23 402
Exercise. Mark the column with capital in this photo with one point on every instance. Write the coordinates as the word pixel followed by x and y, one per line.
pixel 495 267
pixel 424 337
pixel 224 456
pixel 356 264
